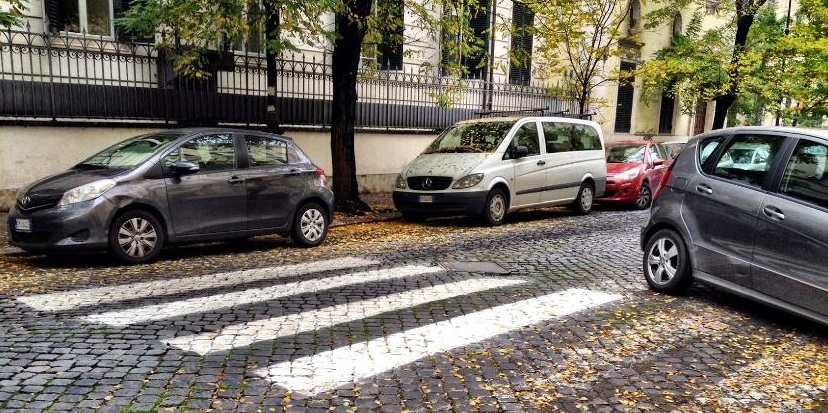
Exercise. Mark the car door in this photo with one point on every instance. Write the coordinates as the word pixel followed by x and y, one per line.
pixel 275 181
pixel 655 169
pixel 563 170
pixel 721 206
pixel 529 171
pixel 212 200
pixel 790 259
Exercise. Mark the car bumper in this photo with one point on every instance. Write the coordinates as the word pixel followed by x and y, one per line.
pixel 620 192
pixel 81 226
pixel 440 203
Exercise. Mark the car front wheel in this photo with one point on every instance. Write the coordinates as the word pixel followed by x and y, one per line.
pixel 136 237
pixel 494 212
pixel 645 197
pixel 667 263
pixel 310 227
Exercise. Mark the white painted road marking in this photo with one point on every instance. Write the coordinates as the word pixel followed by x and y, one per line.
pixel 331 369
pixel 253 295
pixel 270 329
pixel 81 298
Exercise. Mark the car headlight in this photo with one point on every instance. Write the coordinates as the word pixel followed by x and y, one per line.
pixel 628 174
pixel 86 192
pixel 400 182
pixel 468 181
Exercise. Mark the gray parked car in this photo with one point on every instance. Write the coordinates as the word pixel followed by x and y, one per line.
pixel 172 187
pixel 746 210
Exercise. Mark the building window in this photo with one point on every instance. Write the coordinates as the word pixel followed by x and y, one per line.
pixel 677 25
pixel 93 17
pixel 390 49
pixel 474 63
pixel 255 41
pixel 634 18
pixel 666 112
pixel 624 106
pixel 520 64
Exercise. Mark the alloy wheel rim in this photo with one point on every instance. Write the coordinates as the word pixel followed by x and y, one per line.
pixel 643 197
pixel 662 261
pixel 137 237
pixel 586 198
pixel 312 224
pixel 497 208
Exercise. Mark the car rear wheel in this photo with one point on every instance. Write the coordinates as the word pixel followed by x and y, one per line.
pixel 494 212
pixel 667 263
pixel 136 237
pixel 310 226
pixel 583 202
pixel 645 197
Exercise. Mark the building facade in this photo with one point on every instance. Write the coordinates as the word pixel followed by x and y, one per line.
pixel 72 82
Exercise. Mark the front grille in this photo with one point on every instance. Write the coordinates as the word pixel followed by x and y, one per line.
pixel 37 237
pixel 438 183
pixel 34 202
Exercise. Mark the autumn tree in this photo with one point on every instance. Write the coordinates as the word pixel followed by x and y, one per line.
pixel 10 12
pixel 577 38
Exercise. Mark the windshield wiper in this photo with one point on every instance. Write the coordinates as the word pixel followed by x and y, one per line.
pixel 89 166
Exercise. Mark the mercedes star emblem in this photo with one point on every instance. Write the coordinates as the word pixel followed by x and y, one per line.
pixel 25 201
pixel 427 183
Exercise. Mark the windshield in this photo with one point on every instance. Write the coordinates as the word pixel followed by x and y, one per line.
pixel 480 137
pixel 625 153
pixel 131 152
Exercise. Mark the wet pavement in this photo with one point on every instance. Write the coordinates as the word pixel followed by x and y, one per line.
pixel 548 312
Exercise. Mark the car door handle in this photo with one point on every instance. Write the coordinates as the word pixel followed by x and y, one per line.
pixel 704 189
pixel 541 163
pixel 294 172
pixel 774 213
pixel 235 180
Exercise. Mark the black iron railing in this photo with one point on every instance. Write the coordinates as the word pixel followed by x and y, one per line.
pixel 88 78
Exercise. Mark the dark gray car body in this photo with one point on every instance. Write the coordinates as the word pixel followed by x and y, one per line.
pixel 765 239
pixel 239 202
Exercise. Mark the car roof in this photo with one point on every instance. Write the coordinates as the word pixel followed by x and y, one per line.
pixel 209 129
pixel 515 118
pixel 629 142
pixel 779 129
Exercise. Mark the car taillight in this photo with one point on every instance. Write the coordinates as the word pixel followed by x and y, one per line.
pixel 321 174
pixel 665 181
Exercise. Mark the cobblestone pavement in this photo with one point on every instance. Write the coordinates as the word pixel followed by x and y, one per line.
pixel 546 313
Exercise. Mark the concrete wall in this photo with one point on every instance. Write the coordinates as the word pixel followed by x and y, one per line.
pixel 28 153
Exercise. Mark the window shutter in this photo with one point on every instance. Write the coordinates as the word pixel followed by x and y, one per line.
pixel 479 24
pixel 522 19
pixel 53 20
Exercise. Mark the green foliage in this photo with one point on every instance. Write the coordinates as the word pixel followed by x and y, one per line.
pixel 10 12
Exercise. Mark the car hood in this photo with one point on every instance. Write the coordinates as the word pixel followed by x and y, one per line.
pixel 59 183
pixel 445 164
pixel 617 168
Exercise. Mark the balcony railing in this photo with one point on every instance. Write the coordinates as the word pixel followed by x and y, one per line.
pixel 61 78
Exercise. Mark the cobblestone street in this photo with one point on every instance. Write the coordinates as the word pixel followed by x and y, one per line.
pixel 548 312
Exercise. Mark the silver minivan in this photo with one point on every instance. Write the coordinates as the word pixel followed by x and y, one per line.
pixel 488 167
pixel 746 210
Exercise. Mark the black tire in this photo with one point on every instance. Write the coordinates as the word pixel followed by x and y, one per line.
pixel 583 203
pixel 496 207
pixel 645 197
pixel 310 225
pixel 136 237
pixel 666 262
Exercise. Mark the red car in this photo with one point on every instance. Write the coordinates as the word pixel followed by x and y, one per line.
pixel 634 172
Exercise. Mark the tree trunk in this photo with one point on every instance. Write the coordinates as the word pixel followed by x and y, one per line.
pixel 745 16
pixel 344 66
pixel 272 118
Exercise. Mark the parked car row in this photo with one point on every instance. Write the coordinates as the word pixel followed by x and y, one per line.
pixel 743 209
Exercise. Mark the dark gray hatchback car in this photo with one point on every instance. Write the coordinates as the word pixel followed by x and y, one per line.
pixel 746 210
pixel 172 187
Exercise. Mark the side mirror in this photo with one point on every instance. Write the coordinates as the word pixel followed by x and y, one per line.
pixel 182 168
pixel 658 162
pixel 520 152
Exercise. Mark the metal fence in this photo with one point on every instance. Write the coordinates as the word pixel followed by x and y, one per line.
pixel 81 78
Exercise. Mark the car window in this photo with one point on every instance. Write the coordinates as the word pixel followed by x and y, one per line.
pixel 662 151
pixel 264 151
pixel 625 153
pixel 805 177
pixel 210 152
pixel 527 135
pixel 564 137
pixel 654 155
pixel 587 137
pixel 131 152
pixel 747 158
pixel 707 146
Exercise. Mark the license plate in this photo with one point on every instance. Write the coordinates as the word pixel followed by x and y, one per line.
pixel 426 199
pixel 23 225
